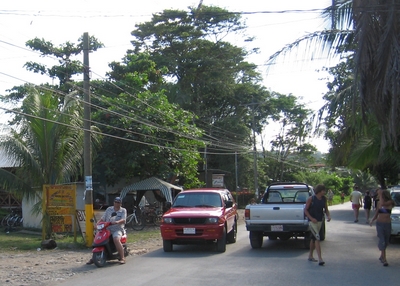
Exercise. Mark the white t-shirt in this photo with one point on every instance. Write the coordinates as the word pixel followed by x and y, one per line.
pixel 356 197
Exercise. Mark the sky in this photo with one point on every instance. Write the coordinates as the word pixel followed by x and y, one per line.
pixel 281 23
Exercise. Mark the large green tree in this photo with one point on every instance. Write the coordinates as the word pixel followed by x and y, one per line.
pixel 149 136
pixel 208 76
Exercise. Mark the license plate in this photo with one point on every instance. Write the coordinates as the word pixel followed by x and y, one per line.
pixel 276 227
pixel 189 230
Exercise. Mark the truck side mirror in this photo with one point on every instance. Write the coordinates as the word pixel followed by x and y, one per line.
pixel 228 204
pixel 168 205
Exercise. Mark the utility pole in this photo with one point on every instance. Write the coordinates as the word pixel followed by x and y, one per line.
pixel 237 179
pixel 205 167
pixel 255 153
pixel 87 154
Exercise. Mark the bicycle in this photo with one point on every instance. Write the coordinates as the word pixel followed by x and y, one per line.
pixel 12 220
pixel 135 220
pixel 152 215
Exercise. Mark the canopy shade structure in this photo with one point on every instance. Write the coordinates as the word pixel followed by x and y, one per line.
pixel 152 184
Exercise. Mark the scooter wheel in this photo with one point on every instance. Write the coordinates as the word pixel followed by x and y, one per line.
pixel 99 258
pixel 126 251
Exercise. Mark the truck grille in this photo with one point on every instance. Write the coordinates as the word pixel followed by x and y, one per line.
pixel 189 220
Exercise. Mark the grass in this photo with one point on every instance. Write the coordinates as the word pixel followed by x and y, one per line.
pixel 28 240
pixel 19 241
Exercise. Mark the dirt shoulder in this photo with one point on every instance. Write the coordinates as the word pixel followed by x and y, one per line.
pixel 51 267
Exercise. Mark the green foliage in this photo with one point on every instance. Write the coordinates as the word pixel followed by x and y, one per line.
pixel 48 144
pixel 68 66
pixel 208 77
pixel 159 138
pixel 331 180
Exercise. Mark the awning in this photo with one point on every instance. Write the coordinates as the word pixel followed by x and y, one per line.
pixel 152 184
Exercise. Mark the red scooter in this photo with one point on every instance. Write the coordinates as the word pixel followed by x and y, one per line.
pixel 103 245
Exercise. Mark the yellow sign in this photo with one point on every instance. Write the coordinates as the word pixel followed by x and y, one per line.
pixel 59 201
pixel 60 195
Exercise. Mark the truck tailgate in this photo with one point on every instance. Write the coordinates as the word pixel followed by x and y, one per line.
pixel 276 214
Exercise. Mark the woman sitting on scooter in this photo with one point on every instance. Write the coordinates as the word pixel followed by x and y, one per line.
pixel 117 227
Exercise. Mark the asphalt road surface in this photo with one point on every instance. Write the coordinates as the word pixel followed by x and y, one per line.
pixel 350 252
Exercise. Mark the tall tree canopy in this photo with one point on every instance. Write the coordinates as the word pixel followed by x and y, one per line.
pixel 209 76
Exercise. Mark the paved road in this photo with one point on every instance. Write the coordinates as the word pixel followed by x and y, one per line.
pixel 350 253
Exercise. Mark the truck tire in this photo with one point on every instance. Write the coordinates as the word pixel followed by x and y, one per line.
pixel 167 245
pixel 221 243
pixel 256 239
pixel 232 234
pixel 322 231
pixel 307 240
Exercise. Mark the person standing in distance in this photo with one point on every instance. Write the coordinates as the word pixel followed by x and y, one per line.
pixel 330 197
pixel 383 222
pixel 316 207
pixel 367 205
pixel 356 202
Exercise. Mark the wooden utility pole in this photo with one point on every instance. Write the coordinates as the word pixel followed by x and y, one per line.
pixel 255 155
pixel 87 154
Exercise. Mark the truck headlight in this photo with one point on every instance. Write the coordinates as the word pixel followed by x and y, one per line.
pixel 167 220
pixel 212 220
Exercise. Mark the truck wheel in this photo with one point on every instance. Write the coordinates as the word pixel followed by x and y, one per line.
pixel 307 240
pixel 167 245
pixel 232 234
pixel 322 232
pixel 256 239
pixel 221 243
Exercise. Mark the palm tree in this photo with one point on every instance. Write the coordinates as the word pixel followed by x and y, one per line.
pixel 47 145
pixel 370 32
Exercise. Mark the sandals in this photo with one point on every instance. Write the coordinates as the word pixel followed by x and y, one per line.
pixel 383 261
pixel 312 259
pixel 122 261
pixel 90 262
pixel 321 263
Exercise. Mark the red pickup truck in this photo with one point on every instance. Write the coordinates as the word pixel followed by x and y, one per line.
pixel 200 215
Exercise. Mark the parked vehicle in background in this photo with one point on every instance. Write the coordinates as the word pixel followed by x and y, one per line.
pixel 280 214
pixel 395 215
pixel 199 216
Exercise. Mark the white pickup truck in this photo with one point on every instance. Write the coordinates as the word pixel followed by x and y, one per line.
pixel 280 214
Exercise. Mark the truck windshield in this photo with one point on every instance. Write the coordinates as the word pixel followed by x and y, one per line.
pixel 396 198
pixel 197 200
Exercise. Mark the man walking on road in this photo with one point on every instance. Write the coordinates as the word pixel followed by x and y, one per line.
pixel 356 202
pixel 316 207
